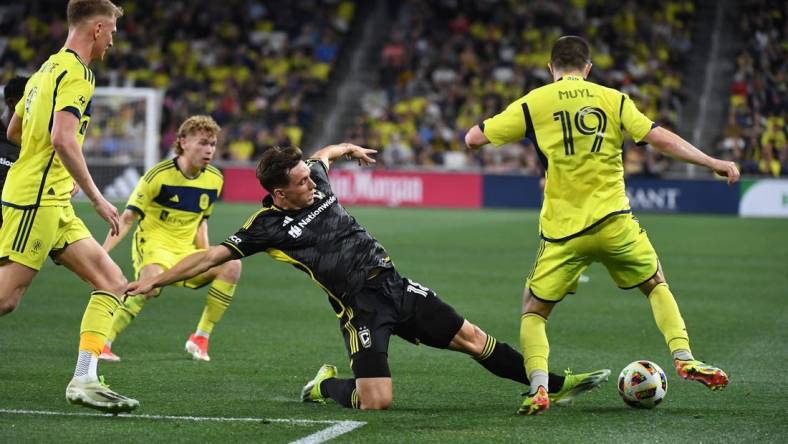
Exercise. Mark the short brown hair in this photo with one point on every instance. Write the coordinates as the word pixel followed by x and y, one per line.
pixel 81 10
pixel 570 51
pixel 273 170
pixel 192 125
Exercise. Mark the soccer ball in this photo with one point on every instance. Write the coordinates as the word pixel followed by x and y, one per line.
pixel 642 384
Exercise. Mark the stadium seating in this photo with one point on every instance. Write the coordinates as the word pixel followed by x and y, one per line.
pixel 755 134
pixel 447 64
pixel 255 66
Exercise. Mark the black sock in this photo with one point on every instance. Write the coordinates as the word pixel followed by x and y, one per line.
pixel 343 391
pixel 502 360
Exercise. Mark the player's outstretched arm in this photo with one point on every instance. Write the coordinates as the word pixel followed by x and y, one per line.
pixel 67 146
pixel 332 152
pixel 127 220
pixel 187 268
pixel 475 138
pixel 670 143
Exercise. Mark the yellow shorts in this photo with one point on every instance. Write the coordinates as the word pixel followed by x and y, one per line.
pixel 146 252
pixel 28 236
pixel 619 243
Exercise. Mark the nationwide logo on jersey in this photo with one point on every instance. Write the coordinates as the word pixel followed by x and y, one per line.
pixel 175 199
pixel 365 337
pixel 319 195
pixel 287 220
pixel 204 201
pixel 295 232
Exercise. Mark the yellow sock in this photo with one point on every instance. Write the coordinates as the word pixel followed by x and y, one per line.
pixel 668 318
pixel 533 341
pixel 97 321
pixel 125 314
pixel 219 297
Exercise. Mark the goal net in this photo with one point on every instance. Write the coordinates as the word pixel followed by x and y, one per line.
pixel 122 141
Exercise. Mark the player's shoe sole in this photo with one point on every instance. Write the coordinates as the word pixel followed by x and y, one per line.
pixel 198 352
pixel 712 377
pixel 536 404
pixel 311 391
pixel 575 385
pixel 97 395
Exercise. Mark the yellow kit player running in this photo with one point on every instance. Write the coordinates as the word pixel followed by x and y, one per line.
pixel 577 127
pixel 49 124
pixel 172 203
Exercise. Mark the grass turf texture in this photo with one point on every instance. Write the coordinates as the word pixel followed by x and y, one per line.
pixel 729 275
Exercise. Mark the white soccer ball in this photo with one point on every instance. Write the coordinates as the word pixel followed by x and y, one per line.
pixel 642 384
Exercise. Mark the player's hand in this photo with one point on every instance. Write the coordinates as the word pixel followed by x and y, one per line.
pixel 109 213
pixel 139 287
pixel 727 169
pixel 361 154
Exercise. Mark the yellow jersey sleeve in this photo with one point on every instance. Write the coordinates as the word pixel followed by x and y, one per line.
pixel 141 197
pixel 634 122
pixel 507 126
pixel 74 94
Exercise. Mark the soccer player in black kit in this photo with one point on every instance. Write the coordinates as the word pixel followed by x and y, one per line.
pixel 302 223
pixel 9 151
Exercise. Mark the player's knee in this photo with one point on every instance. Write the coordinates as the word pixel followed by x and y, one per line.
pixel 231 271
pixel 380 400
pixel 7 305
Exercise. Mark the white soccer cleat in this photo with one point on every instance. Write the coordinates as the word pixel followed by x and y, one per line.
pixel 97 395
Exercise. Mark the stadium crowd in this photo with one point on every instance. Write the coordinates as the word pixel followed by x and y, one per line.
pixel 254 66
pixel 447 63
pixel 755 133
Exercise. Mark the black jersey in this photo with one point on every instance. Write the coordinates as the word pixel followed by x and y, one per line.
pixel 8 155
pixel 322 240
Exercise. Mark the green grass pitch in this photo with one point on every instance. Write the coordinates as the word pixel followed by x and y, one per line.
pixel 730 277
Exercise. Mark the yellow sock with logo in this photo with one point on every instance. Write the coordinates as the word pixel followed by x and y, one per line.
pixel 219 297
pixel 536 349
pixel 93 332
pixel 125 314
pixel 668 318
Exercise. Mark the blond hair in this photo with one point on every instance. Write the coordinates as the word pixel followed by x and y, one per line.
pixel 193 125
pixel 80 10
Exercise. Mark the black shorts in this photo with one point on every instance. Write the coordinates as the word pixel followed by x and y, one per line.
pixel 390 304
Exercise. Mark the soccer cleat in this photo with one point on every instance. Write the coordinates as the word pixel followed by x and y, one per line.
pixel 712 377
pixel 197 346
pixel 536 403
pixel 107 355
pixel 311 391
pixel 575 385
pixel 97 395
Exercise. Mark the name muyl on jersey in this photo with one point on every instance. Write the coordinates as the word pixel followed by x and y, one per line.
pixel 322 240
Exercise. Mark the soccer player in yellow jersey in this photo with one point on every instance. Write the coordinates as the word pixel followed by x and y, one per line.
pixel 49 124
pixel 172 203
pixel 577 127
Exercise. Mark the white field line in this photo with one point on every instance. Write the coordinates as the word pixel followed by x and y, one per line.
pixel 336 428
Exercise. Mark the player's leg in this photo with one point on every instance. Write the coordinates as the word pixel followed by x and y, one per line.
pixel 632 262
pixel 126 313
pixel 80 253
pixel 555 273
pixel 224 280
pixel 20 256
pixel 671 324
pixel 14 280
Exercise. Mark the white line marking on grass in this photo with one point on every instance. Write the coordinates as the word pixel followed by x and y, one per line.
pixel 337 428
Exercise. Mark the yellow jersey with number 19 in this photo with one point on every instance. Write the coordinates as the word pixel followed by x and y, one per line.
pixel 577 128
pixel 38 177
